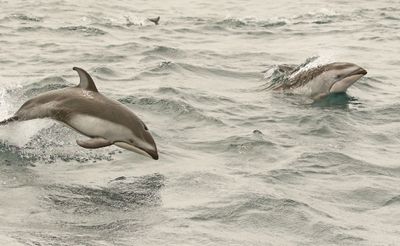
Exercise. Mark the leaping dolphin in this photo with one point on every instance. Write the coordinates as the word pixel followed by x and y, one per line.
pixel 323 80
pixel 84 109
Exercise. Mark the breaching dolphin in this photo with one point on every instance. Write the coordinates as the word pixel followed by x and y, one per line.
pixel 129 23
pixel 323 80
pixel 84 109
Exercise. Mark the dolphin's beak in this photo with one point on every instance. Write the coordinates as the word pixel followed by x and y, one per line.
pixel 344 83
pixel 149 150
pixel 153 153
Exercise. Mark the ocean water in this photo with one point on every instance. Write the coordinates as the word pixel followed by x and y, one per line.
pixel 239 164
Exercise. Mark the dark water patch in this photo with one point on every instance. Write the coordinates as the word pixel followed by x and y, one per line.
pixel 394 201
pixel 274 24
pixel 11 155
pixel 47 45
pixel 187 31
pixel 128 46
pixel 115 226
pixel 321 131
pixel 389 17
pixel 87 31
pixel 43 237
pixel 166 67
pixel 320 18
pixel 215 29
pixel 105 73
pixel 260 34
pixel 23 17
pixel 336 100
pixel 127 194
pixel 6 61
pixel 374 38
pixel 365 198
pixel 390 9
pixel 31 29
pixel 321 22
pixel 251 23
pixel 232 22
pixel 281 176
pixel 166 52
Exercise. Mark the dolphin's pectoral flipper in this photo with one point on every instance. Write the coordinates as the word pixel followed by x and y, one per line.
pixel 86 82
pixel 6 121
pixel 94 143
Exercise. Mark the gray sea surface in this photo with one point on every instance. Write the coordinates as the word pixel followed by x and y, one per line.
pixel 239 164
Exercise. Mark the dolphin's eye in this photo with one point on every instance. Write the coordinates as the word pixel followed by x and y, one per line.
pixel 130 140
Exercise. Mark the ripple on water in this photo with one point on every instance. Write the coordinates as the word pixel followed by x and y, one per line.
pixel 105 73
pixel 338 164
pixel 178 109
pixel 44 85
pixel 282 216
pixel 169 67
pixel 253 143
pixel 196 96
pixel 166 52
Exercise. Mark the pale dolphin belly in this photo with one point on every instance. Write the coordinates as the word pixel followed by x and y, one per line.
pixel 96 127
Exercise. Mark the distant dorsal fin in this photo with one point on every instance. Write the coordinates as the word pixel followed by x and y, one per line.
pixel 155 20
pixel 86 82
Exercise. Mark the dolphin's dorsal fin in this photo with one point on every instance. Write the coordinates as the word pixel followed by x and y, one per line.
pixel 155 20
pixel 86 82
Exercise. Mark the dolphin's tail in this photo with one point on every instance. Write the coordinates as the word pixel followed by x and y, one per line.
pixel 154 20
pixel 6 121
